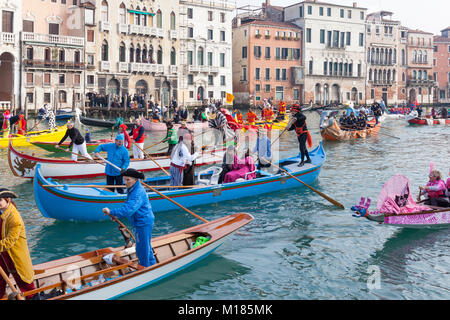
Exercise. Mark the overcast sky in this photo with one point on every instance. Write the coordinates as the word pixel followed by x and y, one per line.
pixel 429 15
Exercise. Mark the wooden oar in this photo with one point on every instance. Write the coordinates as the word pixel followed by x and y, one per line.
pixel 80 155
pixel 315 190
pixel 149 156
pixel 153 145
pixel 385 134
pixel 174 202
pixel 121 225
pixel 284 131
pixel 8 281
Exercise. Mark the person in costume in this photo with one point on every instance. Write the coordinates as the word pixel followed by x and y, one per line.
pixel 127 140
pixel 171 137
pixel 77 143
pixel 138 210
pixel 14 254
pixel 117 155
pixel 251 117
pixel 302 132
pixel 240 168
pixel 138 137
pixel 180 157
pixel 434 191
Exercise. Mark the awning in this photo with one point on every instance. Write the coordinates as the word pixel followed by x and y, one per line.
pixel 141 12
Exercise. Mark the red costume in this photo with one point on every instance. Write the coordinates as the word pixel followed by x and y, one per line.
pixel 21 125
pixel 251 117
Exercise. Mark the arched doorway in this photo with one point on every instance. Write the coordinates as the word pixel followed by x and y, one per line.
pixel 335 96
pixel 200 93
pixel 6 76
pixel 165 93
pixel 354 96
pixel 114 87
pixel 317 94
pixel 141 87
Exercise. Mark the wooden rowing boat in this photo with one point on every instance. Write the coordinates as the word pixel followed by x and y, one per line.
pixel 433 218
pixel 161 126
pixel 88 277
pixel 86 203
pixel 335 133
pixel 30 137
pixel 51 146
pixel 429 122
pixel 101 122
pixel 24 166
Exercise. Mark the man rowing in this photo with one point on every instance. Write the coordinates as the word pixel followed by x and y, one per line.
pixel 77 141
pixel 139 212
pixel 302 132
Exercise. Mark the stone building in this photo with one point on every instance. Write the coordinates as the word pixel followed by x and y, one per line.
pixel 334 50
pixel 267 61
pixel 419 77
pixel 132 48
pixel 205 67
pixel 441 66
pixel 10 60
pixel 52 54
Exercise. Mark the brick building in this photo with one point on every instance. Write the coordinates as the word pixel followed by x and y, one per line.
pixel 441 66
pixel 267 61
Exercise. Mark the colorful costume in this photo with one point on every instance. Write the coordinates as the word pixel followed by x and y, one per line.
pixel 138 134
pixel 251 118
pixel 240 168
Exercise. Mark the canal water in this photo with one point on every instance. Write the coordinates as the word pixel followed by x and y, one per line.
pixel 299 246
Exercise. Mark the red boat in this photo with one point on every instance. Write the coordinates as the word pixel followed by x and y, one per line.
pixel 428 122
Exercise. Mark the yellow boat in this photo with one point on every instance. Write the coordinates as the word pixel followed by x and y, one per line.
pixel 275 124
pixel 25 140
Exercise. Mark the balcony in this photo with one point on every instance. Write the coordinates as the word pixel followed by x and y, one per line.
pixel 213 69
pixel 420 83
pixel 160 33
pixel 123 28
pixel 123 67
pixel 173 34
pixel 193 69
pixel 336 47
pixel 204 69
pixel 173 69
pixel 48 64
pixel 52 38
pixel 7 38
pixel 160 68
pixel 105 65
pixel 104 26
pixel 381 82
pixel 134 29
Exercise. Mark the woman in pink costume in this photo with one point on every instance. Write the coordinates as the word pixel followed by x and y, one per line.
pixel 435 190
pixel 240 168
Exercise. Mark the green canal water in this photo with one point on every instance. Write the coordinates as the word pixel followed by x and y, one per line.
pixel 299 246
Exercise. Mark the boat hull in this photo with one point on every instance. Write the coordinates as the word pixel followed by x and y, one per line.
pixel 86 204
pixel 418 221
pixel 429 122
pixel 335 133
pixel 24 166
pixel 100 122
pixel 25 141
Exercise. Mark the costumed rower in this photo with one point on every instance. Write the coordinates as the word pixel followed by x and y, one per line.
pixel 171 137
pixel 77 141
pixel 434 191
pixel 5 127
pixel 119 156
pixel 179 158
pixel 222 131
pixel 14 254
pixel 138 134
pixel 251 117
pixel 139 212
pixel 302 132
pixel 127 140
pixel 21 125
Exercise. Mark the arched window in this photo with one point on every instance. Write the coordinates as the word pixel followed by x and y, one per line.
pixel 419 75
pixel 368 55
pixel 122 14
pixel 160 55
pixel 425 56
pixel 145 54
pixel 414 75
pixel 131 53
pixel 419 56
pixel 403 77
pixel 377 58
pixel 394 57
pixel 150 54
pixel 375 76
pixel 403 57
pixel 105 51
pixel 104 11
pixel 150 18
pixel 370 74
pixel 394 74
pixel 138 53
pixel 414 56
pixel 172 21
pixel 173 57
pixel 425 75
pixel 144 18
pixel 200 56
pixel 77 57
pixel 372 56
pixel 62 55
pixel 159 19
pixel 122 52
pixel 137 17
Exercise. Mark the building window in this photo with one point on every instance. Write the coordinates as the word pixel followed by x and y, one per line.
pixel 47 97
pixel 322 35
pixel 222 17
pixel 210 59
pixel 190 13
pixel 190 58
pixel 329 12
pixel 190 79
pixel 310 71
pixel 267 55
pixel 190 32
pixel 308 35
pixel 7 21
pixel 267 88
pixel 76 79
pixel 257 87
pixel 283 75
pixel 222 60
pixel 257 51
pixel 341 13
pixel 349 36
pixel 361 15
pixel 349 15
pixel 309 10
pixel 244 74
pixel 210 16
pixel 53 28
pixel 267 74
pixel 222 80
pixel 210 34
pixel 301 11
pixel 257 74
pixel 90 35
pixel 210 80
pixel 30 78
pixel 244 52
pixel 222 36
pixel 277 74
pixel 321 11
pixel 279 93
pixel 28 26
pixel 90 79
pixel 200 60
pixel 361 39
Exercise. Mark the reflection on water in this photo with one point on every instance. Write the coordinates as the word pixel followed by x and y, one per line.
pixel 299 246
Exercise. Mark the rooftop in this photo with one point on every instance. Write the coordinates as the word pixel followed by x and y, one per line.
pixel 327 4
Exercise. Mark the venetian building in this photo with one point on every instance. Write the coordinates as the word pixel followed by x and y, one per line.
pixel 52 54
pixel 420 83
pixel 333 50
pixel 441 66
pixel 205 66
pixel 382 40
pixel 10 60
pixel 135 49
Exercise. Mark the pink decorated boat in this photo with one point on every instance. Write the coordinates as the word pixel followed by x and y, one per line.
pixel 150 125
pixel 396 207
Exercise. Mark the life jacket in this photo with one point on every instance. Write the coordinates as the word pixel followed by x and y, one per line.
pixel 268 114
pixel 251 117
pixel 136 134
pixel 437 194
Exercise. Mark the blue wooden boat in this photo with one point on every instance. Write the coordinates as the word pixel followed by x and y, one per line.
pixel 78 203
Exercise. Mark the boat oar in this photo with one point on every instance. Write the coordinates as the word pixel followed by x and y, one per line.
pixel 174 202
pixel 385 134
pixel 315 190
pixel 8 281
pixel 79 155
pixel 151 158
pixel 123 229
pixel 284 131
pixel 153 145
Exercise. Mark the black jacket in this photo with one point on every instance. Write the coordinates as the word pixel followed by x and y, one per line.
pixel 74 135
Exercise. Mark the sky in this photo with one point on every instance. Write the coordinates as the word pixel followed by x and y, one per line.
pixel 429 15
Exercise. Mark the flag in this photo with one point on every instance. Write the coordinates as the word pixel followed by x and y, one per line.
pixel 229 98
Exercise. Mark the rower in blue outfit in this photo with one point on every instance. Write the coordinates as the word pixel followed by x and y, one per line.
pixel 117 155
pixel 139 212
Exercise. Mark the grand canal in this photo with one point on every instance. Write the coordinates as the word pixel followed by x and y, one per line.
pixel 299 246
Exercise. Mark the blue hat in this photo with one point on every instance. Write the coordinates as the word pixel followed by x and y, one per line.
pixel 120 137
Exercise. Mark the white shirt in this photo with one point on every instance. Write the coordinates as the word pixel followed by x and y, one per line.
pixel 181 155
